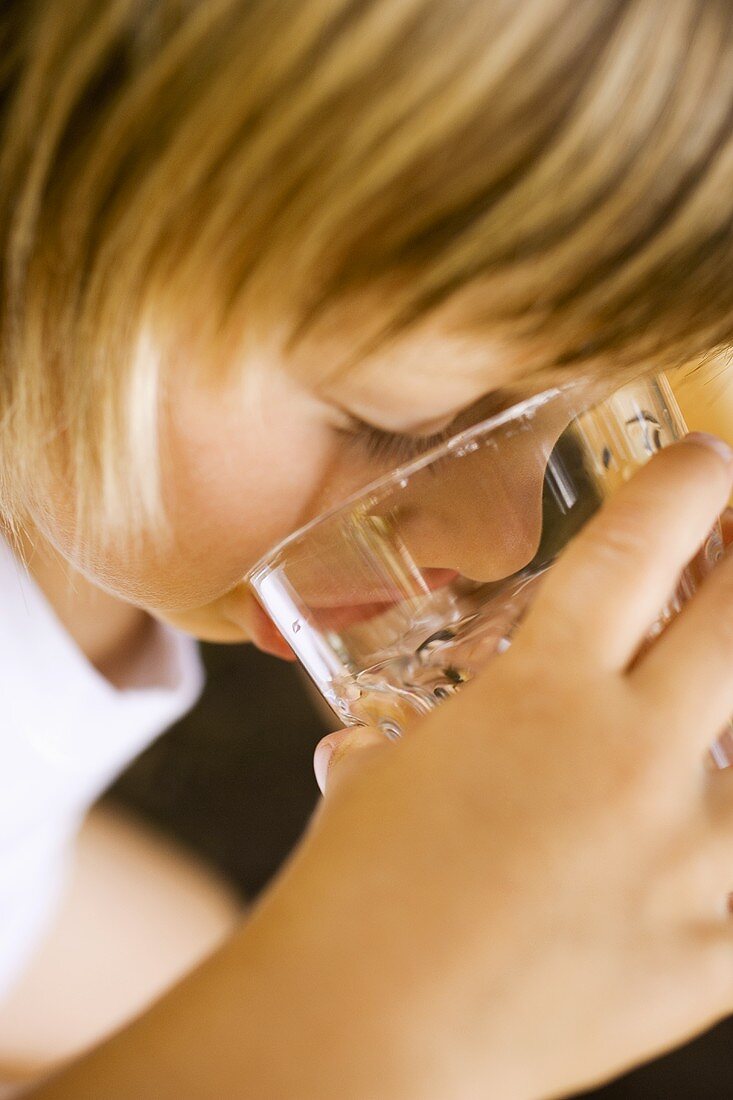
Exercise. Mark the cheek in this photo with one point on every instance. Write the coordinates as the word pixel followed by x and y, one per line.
pixel 231 498
pixel 236 480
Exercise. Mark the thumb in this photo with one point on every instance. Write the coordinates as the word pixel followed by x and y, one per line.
pixel 339 754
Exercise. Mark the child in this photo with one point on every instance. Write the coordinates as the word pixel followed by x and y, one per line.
pixel 240 242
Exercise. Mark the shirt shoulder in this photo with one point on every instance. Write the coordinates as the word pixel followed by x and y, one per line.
pixel 65 734
pixel 56 698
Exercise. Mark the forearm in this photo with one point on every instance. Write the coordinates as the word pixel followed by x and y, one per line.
pixel 292 1009
pixel 257 1019
pixel 161 913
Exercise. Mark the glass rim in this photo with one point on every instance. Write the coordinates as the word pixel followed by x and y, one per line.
pixel 380 485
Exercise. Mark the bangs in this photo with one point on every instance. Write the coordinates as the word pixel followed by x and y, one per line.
pixel 556 175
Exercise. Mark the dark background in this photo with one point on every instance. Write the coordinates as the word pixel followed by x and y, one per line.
pixel 234 782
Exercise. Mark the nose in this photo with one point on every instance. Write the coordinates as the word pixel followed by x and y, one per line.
pixel 475 521
pixel 475 512
pixel 480 513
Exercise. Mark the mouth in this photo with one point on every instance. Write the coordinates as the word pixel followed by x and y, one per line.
pixel 332 616
pixel 265 635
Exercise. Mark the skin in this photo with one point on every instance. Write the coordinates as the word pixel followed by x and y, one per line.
pixel 128 887
pixel 584 833
pixel 582 853
pixel 251 458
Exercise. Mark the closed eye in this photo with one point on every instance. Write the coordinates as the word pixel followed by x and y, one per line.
pixel 400 447
pixel 397 447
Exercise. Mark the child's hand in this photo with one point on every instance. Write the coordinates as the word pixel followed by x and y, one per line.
pixel 531 888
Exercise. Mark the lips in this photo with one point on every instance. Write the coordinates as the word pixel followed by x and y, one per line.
pixel 268 638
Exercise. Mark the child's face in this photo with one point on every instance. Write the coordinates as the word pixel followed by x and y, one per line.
pixel 248 461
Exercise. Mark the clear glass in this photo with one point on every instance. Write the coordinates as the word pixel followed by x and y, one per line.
pixel 401 594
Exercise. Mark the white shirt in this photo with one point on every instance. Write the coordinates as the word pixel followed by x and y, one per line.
pixel 65 733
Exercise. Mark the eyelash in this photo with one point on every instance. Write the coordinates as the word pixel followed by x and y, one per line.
pixel 381 444
pixel 399 448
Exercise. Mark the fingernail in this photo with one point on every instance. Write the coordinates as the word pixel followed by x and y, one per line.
pixel 721 448
pixel 321 760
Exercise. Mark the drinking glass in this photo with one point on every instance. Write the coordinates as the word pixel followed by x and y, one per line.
pixel 399 595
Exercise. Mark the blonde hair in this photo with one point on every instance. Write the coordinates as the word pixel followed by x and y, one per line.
pixel 243 170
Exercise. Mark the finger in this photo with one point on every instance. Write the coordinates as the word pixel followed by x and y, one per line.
pixel 340 754
pixel 613 579
pixel 689 669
